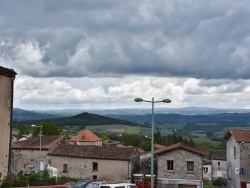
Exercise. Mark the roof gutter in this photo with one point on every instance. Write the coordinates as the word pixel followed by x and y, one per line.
pixel 11 117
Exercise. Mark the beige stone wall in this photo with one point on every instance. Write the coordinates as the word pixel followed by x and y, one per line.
pixel 110 170
pixel 180 158
pixel 28 157
pixel 5 112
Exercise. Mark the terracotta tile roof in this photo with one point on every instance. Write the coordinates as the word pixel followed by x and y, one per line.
pixel 158 146
pixel 179 146
pixel 34 143
pixel 86 136
pixel 94 152
pixel 239 135
pixel 217 155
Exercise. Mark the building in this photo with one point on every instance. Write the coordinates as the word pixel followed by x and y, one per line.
pixel 112 164
pixel 7 77
pixel 207 171
pixel 86 137
pixel 26 154
pixel 180 165
pixel 218 160
pixel 238 158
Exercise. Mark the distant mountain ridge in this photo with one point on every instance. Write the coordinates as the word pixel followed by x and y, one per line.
pixel 20 114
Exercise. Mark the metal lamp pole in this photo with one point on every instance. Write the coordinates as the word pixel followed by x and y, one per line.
pixel 152 134
pixel 40 148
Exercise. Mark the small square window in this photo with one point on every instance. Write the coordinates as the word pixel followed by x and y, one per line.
pixel 65 168
pixel 190 166
pixel 95 166
pixel 170 165
pixel 205 169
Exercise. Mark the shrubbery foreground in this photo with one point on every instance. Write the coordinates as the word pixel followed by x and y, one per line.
pixel 32 180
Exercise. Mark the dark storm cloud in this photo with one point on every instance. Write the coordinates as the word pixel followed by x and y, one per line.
pixel 116 38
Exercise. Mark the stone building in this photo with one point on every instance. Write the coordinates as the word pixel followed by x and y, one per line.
pixel 112 164
pixel 7 77
pixel 26 154
pixel 218 160
pixel 238 158
pixel 180 165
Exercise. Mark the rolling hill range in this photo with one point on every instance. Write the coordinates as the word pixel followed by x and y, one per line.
pixel 202 122
pixel 83 119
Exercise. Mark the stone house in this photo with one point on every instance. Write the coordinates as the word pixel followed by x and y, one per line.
pixel 86 137
pixel 207 171
pixel 218 160
pixel 180 165
pixel 26 154
pixel 7 77
pixel 238 158
pixel 112 164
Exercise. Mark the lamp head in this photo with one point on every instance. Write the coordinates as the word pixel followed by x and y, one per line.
pixel 166 101
pixel 138 99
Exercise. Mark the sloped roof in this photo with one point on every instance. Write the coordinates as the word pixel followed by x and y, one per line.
pixel 93 152
pixel 25 136
pixel 239 135
pixel 217 155
pixel 7 72
pixel 86 136
pixel 158 146
pixel 179 146
pixel 34 143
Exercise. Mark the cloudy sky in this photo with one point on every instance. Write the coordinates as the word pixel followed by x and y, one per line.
pixel 89 54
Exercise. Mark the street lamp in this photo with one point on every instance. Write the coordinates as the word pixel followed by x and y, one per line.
pixel 152 133
pixel 40 155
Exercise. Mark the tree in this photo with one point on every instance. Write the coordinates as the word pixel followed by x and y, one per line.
pixel 131 140
pixel 47 129
pixel 146 144
pixel 157 137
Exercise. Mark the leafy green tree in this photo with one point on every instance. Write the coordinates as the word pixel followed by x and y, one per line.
pixel 179 139
pixel 103 136
pixel 191 142
pixel 47 129
pixel 131 140
pixel 157 137
pixel 146 144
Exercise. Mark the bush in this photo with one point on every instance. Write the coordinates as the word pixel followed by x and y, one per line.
pixel 217 182
pixel 30 179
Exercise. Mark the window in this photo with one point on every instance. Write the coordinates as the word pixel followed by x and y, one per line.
pixel 218 163
pixel 65 168
pixel 95 166
pixel 234 152
pixel 205 169
pixel 170 165
pixel 190 166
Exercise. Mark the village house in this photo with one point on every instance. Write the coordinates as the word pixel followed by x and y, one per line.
pixel 180 165
pixel 218 160
pixel 26 154
pixel 112 164
pixel 207 171
pixel 86 137
pixel 7 77
pixel 238 158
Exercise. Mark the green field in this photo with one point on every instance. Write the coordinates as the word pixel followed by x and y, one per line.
pixel 15 131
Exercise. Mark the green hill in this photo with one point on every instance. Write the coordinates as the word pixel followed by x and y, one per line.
pixel 83 119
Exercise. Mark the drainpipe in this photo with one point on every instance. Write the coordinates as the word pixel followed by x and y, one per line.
pixel 11 115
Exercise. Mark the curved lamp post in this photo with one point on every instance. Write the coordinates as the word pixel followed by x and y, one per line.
pixel 40 155
pixel 152 133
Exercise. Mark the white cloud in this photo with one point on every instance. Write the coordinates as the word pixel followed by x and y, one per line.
pixel 103 54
